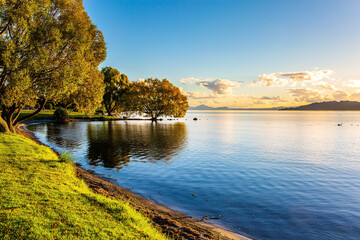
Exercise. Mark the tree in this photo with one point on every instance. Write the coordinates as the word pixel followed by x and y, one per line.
pixel 49 49
pixel 89 94
pixel 116 85
pixel 156 98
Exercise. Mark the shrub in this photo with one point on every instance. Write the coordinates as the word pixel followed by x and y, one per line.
pixel 61 114
pixel 66 157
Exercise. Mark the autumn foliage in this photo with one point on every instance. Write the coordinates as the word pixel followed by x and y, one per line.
pixel 49 50
pixel 156 98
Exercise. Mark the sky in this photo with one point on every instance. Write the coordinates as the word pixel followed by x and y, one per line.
pixel 237 53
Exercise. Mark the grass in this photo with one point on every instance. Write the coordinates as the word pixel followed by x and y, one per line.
pixel 41 198
pixel 47 114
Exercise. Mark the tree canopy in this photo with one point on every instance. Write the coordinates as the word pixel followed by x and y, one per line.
pixel 49 49
pixel 156 98
pixel 116 85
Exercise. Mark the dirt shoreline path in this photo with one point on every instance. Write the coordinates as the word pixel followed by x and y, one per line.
pixel 172 223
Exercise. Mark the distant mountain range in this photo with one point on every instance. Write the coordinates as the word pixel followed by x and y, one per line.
pixel 204 107
pixel 329 106
pixel 321 106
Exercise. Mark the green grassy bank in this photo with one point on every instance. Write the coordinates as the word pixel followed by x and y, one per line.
pixel 48 114
pixel 41 198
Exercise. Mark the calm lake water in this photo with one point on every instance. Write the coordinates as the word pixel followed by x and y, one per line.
pixel 270 175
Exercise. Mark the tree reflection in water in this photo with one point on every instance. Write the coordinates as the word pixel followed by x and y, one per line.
pixel 115 144
pixel 65 135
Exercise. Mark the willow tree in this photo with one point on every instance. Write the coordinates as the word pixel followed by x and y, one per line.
pixel 156 98
pixel 116 85
pixel 49 49
pixel 89 94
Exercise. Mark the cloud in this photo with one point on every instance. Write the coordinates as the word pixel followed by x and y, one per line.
pixel 274 98
pixel 355 96
pixel 312 95
pixel 216 100
pixel 340 95
pixel 217 86
pixel 326 86
pixel 353 83
pixel 193 80
pixel 297 88
pixel 306 95
pixel 200 95
pixel 284 79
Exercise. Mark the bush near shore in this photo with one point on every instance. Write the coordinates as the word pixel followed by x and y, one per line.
pixel 41 198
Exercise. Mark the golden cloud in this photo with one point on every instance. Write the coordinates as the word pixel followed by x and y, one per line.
pixel 285 79
pixel 217 86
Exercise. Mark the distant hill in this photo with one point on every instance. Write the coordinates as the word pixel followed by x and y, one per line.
pixel 201 107
pixel 329 106
pixel 204 107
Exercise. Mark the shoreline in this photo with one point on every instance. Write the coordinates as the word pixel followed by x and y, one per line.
pixel 175 224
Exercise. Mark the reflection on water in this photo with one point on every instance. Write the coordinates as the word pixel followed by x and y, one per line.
pixel 269 174
pixel 61 134
pixel 114 144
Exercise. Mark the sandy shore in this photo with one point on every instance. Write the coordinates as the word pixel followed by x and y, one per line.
pixel 175 224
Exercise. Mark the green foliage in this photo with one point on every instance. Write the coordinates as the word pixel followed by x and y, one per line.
pixel 116 85
pixel 61 114
pixel 156 98
pixel 49 106
pixel 66 156
pixel 49 50
pixel 48 115
pixel 41 198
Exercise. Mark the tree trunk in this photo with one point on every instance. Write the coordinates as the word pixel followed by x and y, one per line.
pixel 108 109
pixel 8 118
pixel 153 118
pixel 3 126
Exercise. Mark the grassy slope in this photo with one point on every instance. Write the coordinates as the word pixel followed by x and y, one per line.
pixel 41 198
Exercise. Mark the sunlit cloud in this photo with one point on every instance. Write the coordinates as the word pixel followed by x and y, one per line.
pixel 217 86
pixel 290 78
pixel 200 95
pixel 194 80
pixel 355 96
pixel 288 89
pixel 353 83
pixel 326 86
pixel 220 86
pixel 306 95
pixel 340 95
pixel 274 98
pixel 198 98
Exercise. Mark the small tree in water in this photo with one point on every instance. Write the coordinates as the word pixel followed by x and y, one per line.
pixel 156 98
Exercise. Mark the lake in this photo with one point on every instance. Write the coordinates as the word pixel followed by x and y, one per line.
pixel 269 174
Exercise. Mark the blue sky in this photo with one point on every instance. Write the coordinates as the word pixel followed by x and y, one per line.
pixel 212 46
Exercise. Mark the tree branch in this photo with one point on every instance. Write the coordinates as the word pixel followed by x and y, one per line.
pixel 42 104
pixel 17 113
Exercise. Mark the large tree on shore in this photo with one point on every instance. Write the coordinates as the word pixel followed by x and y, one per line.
pixel 156 98
pixel 49 49
pixel 116 85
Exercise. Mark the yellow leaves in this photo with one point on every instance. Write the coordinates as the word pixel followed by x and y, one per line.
pixel 160 98
pixel 49 50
